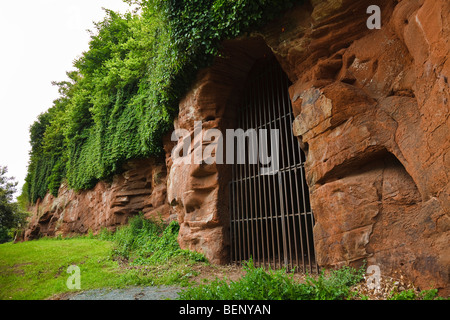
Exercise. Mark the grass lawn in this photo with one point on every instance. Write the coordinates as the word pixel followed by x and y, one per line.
pixel 147 254
pixel 36 270
pixel 143 253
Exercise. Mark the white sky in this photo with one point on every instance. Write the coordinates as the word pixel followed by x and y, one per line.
pixel 39 40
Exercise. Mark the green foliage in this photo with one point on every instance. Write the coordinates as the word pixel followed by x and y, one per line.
pixel 47 165
pixel 404 295
pixel 258 284
pixel 127 239
pixel 12 217
pixel 37 269
pixel 337 285
pixel 411 294
pixel 124 93
pixel 152 253
pixel 111 104
pixel 149 242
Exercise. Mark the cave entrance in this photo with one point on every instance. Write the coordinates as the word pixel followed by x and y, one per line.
pixel 270 213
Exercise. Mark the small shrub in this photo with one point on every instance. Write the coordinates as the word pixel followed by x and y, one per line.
pixel 258 284
pixel 153 253
pixel 411 294
pixel 147 242
pixel 337 285
pixel 105 234
pixel 429 294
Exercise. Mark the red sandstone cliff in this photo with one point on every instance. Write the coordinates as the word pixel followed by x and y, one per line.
pixel 140 188
pixel 372 114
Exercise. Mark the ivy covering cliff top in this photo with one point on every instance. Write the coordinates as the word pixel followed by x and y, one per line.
pixel 123 93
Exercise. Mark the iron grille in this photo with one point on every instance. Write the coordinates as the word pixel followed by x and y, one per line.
pixel 271 217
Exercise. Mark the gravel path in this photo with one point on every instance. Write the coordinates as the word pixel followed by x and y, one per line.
pixel 132 293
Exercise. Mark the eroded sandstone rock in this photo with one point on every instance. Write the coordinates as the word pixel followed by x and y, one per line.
pixel 140 188
pixel 372 116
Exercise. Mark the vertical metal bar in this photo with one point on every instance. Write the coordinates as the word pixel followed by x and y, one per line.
pixel 257 181
pixel 285 155
pixel 270 194
pixel 290 151
pixel 241 202
pixel 277 208
pixel 231 210
pixel 263 208
pixel 252 181
pixel 289 136
pixel 280 181
pixel 236 208
pixel 233 204
pixel 285 171
pixel 249 222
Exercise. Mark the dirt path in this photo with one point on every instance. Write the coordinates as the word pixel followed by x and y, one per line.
pixel 205 272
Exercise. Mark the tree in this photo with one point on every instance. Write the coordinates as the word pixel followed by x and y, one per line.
pixel 12 217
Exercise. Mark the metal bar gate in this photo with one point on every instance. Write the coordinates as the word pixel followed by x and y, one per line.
pixel 271 218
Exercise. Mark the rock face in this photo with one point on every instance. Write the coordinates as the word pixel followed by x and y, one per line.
pixel 372 110
pixel 372 116
pixel 198 191
pixel 140 188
